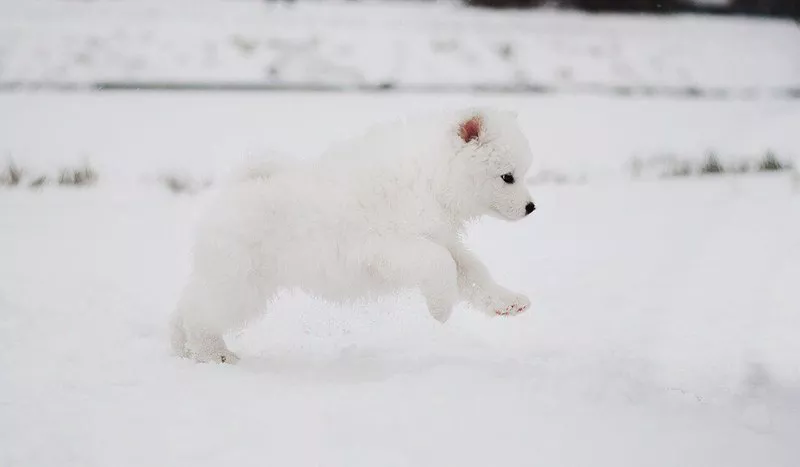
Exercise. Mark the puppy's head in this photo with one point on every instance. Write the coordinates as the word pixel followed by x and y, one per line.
pixel 494 157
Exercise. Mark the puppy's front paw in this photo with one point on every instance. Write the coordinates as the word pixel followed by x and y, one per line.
pixel 508 304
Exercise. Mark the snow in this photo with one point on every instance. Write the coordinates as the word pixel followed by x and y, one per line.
pixel 649 343
pixel 665 315
pixel 663 329
pixel 385 44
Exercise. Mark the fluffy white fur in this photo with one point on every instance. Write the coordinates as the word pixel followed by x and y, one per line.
pixel 377 214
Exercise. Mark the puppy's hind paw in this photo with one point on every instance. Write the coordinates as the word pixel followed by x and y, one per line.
pixel 207 347
pixel 228 357
pixel 218 356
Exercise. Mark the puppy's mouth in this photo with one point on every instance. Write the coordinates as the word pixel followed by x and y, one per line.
pixel 506 216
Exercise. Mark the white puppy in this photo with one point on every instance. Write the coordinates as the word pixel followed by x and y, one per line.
pixel 378 214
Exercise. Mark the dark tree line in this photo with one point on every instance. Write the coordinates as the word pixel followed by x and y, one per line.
pixel 781 8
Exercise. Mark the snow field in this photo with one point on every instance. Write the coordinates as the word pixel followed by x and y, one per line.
pixel 663 332
pixel 384 45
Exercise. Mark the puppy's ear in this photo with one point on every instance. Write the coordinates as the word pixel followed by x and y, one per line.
pixel 471 129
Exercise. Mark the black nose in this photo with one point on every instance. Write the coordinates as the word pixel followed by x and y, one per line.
pixel 529 208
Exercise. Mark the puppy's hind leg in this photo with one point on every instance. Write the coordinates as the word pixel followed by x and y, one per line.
pixel 196 332
pixel 206 312
pixel 416 262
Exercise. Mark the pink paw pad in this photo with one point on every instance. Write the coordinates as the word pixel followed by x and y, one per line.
pixel 511 310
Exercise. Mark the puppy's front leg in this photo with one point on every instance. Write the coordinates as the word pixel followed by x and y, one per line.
pixel 416 262
pixel 476 285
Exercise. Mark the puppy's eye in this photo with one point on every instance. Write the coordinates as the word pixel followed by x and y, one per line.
pixel 508 178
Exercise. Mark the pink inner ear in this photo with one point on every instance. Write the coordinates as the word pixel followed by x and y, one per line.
pixel 470 129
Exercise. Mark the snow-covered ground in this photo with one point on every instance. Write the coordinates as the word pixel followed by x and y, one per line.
pixel 663 332
pixel 385 44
